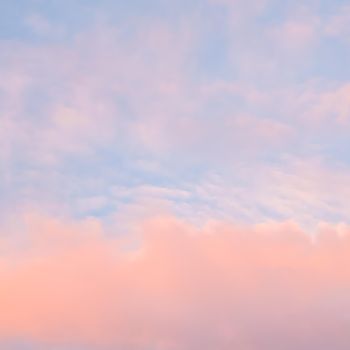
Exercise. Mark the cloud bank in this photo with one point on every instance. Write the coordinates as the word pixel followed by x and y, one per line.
pixel 170 285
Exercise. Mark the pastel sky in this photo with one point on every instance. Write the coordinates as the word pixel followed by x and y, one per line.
pixel 174 175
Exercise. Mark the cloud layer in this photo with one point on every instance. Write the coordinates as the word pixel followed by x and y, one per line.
pixel 233 116
pixel 170 285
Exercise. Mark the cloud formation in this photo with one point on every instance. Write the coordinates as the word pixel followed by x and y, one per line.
pixel 173 286
pixel 233 115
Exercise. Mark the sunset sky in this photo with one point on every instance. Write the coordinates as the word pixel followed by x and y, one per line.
pixel 174 175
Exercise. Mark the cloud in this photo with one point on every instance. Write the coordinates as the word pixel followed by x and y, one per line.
pixel 305 190
pixel 223 286
pixel 296 35
pixel 129 119
pixel 239 10
pixel 97 91
pixel 330 106
pixel 337 25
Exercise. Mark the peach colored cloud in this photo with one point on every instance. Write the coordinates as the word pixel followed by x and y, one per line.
pixel 220 287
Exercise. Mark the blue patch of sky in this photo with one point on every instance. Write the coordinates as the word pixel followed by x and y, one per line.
pixel 331 61
pixel 77 15
pixel 212 54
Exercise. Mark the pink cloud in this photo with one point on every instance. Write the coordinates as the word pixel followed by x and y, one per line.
pixel 331 105
pixel 296 35
pixel 338 24
pixel 100 92
pixel 263 287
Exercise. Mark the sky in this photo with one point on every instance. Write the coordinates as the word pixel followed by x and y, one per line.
pixel 174 174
